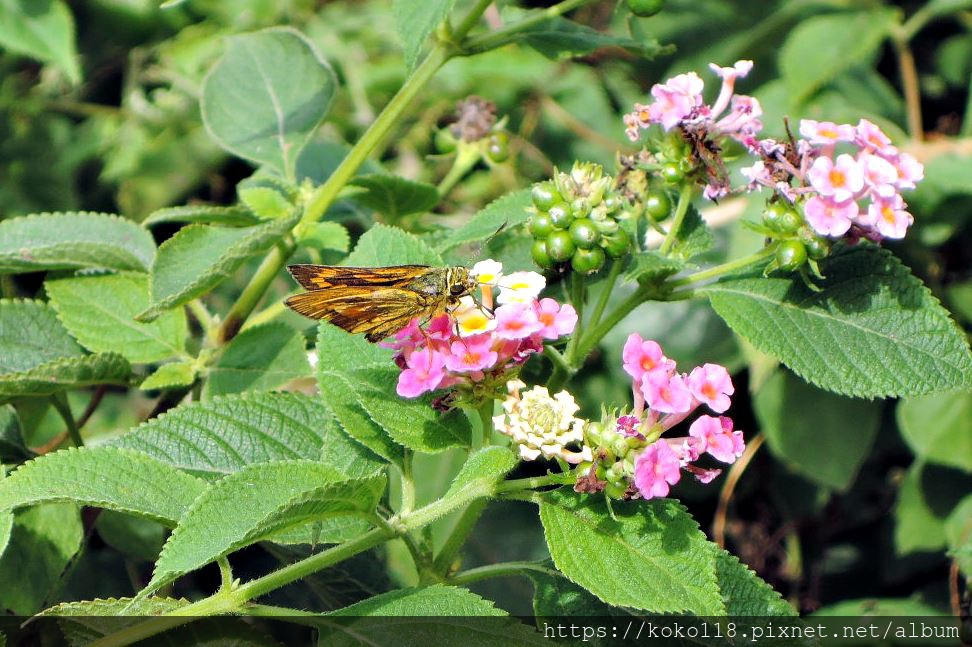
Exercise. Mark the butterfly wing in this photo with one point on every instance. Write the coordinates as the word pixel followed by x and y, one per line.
pixel 375 312
pixel 319 277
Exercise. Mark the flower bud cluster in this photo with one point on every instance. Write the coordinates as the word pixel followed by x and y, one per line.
pixel 475 345
pixel 630 457
pixel 578 220
pixel 543 425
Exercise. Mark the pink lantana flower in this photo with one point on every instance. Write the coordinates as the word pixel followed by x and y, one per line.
pixel 675 99
pixel 516 321
pixel 889 217
pixel 826 132
pixel 656 469
pixel 642 356
pixel 557 320
pixel 666 393
pixel 718 438
pixel 830 218
pixel 471 354
pixel 424 373
pixel 839 179
pixel 711 384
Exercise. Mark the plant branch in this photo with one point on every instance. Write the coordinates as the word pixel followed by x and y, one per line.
pixel 724 268
pixel 909 83
pixel 500 37
pixel 605 295
pixel 732 479
pixel 255 289
pixel 63 408
pixel 684 200
pixel 594 335
pixel 503 569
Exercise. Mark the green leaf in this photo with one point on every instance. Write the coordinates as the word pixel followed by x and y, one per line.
pixel 68 373
pixel 327 235
pixel 31 335
pixel 106 477
pixel 134 537
pixel 207 214
pixel 341 400
pixel 200 257
pixel 415 22
pixel 556 596
pixel 265 202
pixel 652 266
pixel 266 499
pixel 266 96
pixel 41 29
pixel 482 471
pixel 938 427
pixel 74 240
pixel 693 238
pixel 13 449
pixel 383 245
pixel 744 593
pixel 168 376
pixel 224 435
pixel 824 437
pixel 873 330
pixel 958 534
pixel 394 196
pixel 99 312
pixel 658 559
pixel 928 495
pixel 432 615
pixel 42 544
pixel 867 608
pixel 851 37
pixel 508 211
pixel 559 38
pixel 259 359
pixel 345 352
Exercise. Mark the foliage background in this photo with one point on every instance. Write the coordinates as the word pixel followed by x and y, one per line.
pixel 849 504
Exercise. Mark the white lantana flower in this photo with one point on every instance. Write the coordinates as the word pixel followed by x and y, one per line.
pixel 541 424
pixel 471 318
pixel 520 287
pixel 488 271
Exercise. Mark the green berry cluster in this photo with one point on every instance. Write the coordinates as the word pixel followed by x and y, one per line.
pixel 578 220
pixel 796 243
pixel 614 457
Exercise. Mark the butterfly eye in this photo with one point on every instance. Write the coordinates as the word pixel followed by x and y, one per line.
pixel 457 290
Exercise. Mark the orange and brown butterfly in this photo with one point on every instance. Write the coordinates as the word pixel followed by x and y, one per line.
pixel 378 301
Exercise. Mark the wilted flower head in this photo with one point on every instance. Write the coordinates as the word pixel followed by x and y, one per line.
pixel 541 424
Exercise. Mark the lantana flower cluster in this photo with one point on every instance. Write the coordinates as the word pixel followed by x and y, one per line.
pixel 846 179
pixel 476 343
pixel 631 458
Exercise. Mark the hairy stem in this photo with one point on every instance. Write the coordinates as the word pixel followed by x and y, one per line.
pixel 255 289
pixel 593 336
pixel 503 569
pixel 63 408
pixel 684 200
pixel 724 268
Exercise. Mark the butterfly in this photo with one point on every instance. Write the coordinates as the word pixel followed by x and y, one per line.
pixel 378 301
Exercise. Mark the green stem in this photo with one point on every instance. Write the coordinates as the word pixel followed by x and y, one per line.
pixel 63 407
pixel 466 158
pixel 504 569
pixel 225 574
pixel 910 84
pixel 578 292
pixel 725 268
pixel 457 538
pixel 500 37
pixel 594 335
pixel 408 483
pixel 605 295
pixel 684 200
pixel 255 289
pixel 557 359
pixel 534 482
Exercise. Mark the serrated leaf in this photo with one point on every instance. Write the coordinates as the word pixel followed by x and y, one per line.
pixel 43 30
pixel 411 422
pixel 327 235
pixel 744 593
pixel 558 38
pixel 508 211
pixel 207 214
pixel 106 477
pixel 341 400
pixel 652 266
pixel 224 435
pixel 873 330
pixel 927 496
pixel 108 607
pixel 43 542
pixel 852 38
pixel 265 202
pixel 99 311
pixel 415 22
pixel 345 352
pixel 66 241
pixel 266 499
pixel 693 238
pixel 394 196
pixel 169 376
pixel 938 427
pixel 200 257
pixel 659 559
pixel 556 596
pixel 259 359
pixel 31 335
pixel 433 615
pixel 67 373
pixel 267 95
pixel 383 245
pixel 824 437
